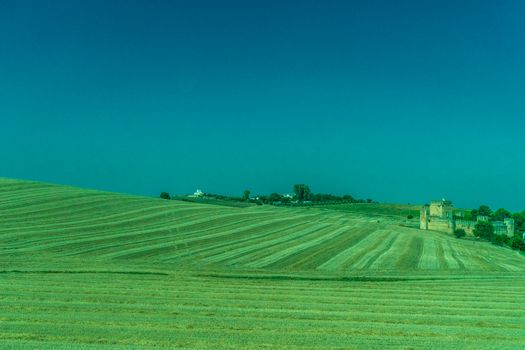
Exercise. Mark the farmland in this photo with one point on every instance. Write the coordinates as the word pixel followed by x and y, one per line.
pixel 96 270
pixel 376 209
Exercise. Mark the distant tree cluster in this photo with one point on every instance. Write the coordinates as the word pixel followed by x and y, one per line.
pixel 302 195
pixel 223 197
pixel 483 210
pixel 325 197
pixel 485 229
pixel 498 215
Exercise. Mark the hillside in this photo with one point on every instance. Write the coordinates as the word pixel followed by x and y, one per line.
pixel 399 211
pixel 86 269
pixel 43 220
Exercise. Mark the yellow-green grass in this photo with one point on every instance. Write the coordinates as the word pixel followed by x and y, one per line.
pixel 90 269
pixel 376 209
pixel 120 310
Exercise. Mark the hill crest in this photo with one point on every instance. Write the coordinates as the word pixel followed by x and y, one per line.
pixel 44 221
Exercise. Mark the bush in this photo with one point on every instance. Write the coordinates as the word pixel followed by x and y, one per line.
pixel 274 198
pixel 165 195
pixel 460 233
pixel 498 239
pixel 410 216
pixel 484 230
pixel 516 242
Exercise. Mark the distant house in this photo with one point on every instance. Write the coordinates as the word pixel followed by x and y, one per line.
pixel 197 194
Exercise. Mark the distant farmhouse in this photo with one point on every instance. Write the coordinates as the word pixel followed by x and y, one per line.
pixel 440 216
pixel 197 194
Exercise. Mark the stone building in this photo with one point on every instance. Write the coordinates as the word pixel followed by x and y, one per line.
pixel 437 216
pixel 440 216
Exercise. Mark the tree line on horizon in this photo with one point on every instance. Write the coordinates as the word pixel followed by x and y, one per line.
pixel 301 195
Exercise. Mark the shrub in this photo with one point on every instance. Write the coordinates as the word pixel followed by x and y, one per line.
pixel 275 197
pixel 516 242
pixel 165 195
pixel 484 230
pixel 410 216
pixel 460 233
pixel 498 239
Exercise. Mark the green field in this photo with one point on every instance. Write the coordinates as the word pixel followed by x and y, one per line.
pixel 85 269
pixel 376 209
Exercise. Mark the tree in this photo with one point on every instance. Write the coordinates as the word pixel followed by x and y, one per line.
pixel 519 221
pixel 460 233
pixel 498 239
pixel 165 195
pixel 245 195
pixel 310 195
pixel 501 214
pixel 484 210
pixel 470 215
pixel 275 197
pixel 484 230
pixel 302 192
pixel 516 242
pixel 348 197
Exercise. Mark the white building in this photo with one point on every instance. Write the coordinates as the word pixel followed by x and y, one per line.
pixel 197 194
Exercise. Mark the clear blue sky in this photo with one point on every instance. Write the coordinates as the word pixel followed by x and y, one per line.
pixel 400 101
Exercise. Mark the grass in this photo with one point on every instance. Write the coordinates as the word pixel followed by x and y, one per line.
pixel 85 269
pixel 376 209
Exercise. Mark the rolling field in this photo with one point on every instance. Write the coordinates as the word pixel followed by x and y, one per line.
pixel 89 269
pixel 376 209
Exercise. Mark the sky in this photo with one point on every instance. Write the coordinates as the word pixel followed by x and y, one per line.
pixel 399 101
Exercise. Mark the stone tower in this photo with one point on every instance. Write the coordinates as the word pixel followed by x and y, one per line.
pixel 441 209
pixel 438 216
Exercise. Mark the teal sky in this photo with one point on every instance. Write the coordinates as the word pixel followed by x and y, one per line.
pixel 400 101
